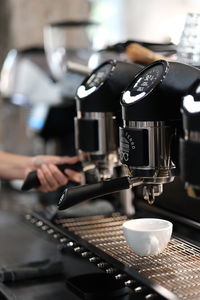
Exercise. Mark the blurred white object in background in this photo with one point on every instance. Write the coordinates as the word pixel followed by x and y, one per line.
pixel 27 91
pixel 32 82
pixel 67 41
pixel 188 50
pixel 21 78
pixel 7 75
pixel 155 21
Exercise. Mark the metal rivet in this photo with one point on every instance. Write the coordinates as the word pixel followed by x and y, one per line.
pixel 70 244
pixel 78 249
pixel 28 217
pixel 94 259
pixel 33 220
pixel 111 270
pixel 44 227
pixel 129 282
pixel 102 265
pixel 56 235
pixel 120 276
pixel 86 254
pixel 150 296
pixel 138 289
pixel 39 223
pixel 63 239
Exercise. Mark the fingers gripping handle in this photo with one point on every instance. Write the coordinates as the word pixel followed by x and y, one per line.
pixel 32 180
pixel 81 193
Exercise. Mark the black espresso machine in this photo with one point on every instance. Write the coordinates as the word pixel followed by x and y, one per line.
pixel 160 110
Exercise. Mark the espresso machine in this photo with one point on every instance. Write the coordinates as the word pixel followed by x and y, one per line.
pixel 96 125
pixel 158 141
pixel 149 137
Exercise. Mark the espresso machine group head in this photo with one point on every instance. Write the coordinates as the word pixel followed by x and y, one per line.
pixel 149 137
pixel 99 116
pixel 97 121
pixel 152 123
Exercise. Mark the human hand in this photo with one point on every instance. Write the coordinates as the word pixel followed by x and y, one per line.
pixel 50 177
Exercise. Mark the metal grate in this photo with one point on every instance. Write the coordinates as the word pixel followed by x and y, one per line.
pixel 177 268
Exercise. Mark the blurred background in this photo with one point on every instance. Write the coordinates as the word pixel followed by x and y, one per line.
pixel 21 28
pixel 36 93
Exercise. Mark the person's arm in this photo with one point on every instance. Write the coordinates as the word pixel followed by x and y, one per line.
pixel 14 166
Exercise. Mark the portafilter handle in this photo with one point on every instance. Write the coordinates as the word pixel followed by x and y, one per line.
pixel 32 181
pixel 75 195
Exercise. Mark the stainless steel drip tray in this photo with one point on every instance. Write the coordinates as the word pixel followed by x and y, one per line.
pixel 177 269
pixel 174 274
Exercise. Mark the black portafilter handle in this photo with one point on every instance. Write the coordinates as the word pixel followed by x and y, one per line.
pixel 75 195
pixel 40 269
pixel 32 181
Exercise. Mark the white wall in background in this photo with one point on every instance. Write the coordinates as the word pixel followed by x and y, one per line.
pixel 144 20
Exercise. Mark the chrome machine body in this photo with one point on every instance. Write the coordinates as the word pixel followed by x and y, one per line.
pixel 100 159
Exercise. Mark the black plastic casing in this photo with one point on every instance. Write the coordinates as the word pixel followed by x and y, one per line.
pixel 106 98
pixel 190 149
pixel 191 120
pixel 164 100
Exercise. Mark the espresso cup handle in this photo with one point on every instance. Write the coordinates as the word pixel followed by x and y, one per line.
pixel 153 245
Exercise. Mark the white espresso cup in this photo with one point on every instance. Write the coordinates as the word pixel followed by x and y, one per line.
pixel 147 236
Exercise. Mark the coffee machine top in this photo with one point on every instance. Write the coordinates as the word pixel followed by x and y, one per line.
pixel 101 90
pixel 156 92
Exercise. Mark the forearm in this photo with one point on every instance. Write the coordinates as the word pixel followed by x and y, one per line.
pixel 12 166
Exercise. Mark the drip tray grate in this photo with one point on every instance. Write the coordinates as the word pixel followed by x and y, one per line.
pixel 177 268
